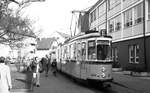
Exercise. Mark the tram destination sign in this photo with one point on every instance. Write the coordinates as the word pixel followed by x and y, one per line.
pixel 103 42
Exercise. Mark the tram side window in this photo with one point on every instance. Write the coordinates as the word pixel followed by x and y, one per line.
pixel 92 49
pixel 79 51
pixel 83 50
pixel 75 53
pixel 71 51
pixel 65 52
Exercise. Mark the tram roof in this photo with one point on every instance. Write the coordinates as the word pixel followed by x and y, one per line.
pixel 87 35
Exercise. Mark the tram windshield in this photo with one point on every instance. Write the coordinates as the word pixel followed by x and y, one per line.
pixel 103 50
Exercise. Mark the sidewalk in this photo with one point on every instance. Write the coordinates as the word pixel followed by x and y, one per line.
pixel 139 84
pixel 21 81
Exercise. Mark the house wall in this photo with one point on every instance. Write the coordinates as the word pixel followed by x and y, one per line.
pixel 41 53
pixel 123 54
pixel 148 52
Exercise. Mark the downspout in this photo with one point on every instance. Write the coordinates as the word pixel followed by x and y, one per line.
pixel 144 36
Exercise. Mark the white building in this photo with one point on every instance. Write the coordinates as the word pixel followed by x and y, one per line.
pixel 127 21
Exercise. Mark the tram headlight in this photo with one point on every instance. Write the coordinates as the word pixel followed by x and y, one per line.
pixel 103 69
pixel 103 75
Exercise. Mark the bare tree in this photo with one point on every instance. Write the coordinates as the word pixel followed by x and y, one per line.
pixel 13 28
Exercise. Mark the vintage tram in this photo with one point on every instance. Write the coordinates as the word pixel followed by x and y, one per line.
pixel 86 56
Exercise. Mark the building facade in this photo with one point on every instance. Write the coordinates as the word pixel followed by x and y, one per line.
pixel 128 22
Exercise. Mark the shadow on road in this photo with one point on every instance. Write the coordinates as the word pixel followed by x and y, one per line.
pixel 21 80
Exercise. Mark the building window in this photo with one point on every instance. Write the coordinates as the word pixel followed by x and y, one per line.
pixel 118 23
pixel 134 54
pixel 97 13
pixel 94 15
pixel 114 24
pixel 115 54
pixel 91 17
pixel 111 25
pixel 128 18
pixel 102 9
pixel 138 13
pixel 116 63
pixel 148 9
pixel 113 3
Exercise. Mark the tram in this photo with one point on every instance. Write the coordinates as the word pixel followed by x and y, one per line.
pixel 87 57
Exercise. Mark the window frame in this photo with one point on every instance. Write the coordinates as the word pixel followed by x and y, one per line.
pixel 111 25
pixel 138 10
pixel 117 20
pixel 113 3
pixel 128 18
pixel 94 51
pixel 134 53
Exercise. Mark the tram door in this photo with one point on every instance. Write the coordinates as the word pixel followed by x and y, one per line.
pixel 83 66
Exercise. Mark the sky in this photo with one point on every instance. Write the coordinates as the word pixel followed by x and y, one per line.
pixel 55 15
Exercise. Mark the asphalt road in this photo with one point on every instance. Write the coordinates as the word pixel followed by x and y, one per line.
pixel 64 84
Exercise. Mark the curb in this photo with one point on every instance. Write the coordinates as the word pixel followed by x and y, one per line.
pixel 137 74
pixel 21 91
pixel 141 74
pixel 116 69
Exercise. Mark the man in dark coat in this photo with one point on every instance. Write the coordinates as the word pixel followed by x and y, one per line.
pixel 54 67
pixel 46 64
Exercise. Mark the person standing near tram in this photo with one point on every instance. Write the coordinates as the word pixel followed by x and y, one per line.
pixel 5 77
pixel 54 67
pixel 46 62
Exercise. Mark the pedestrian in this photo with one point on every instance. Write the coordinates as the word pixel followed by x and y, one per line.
pixel 44 62
pixel 54 67
pixel 36 71
pixel 5 77
pixel 48 64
